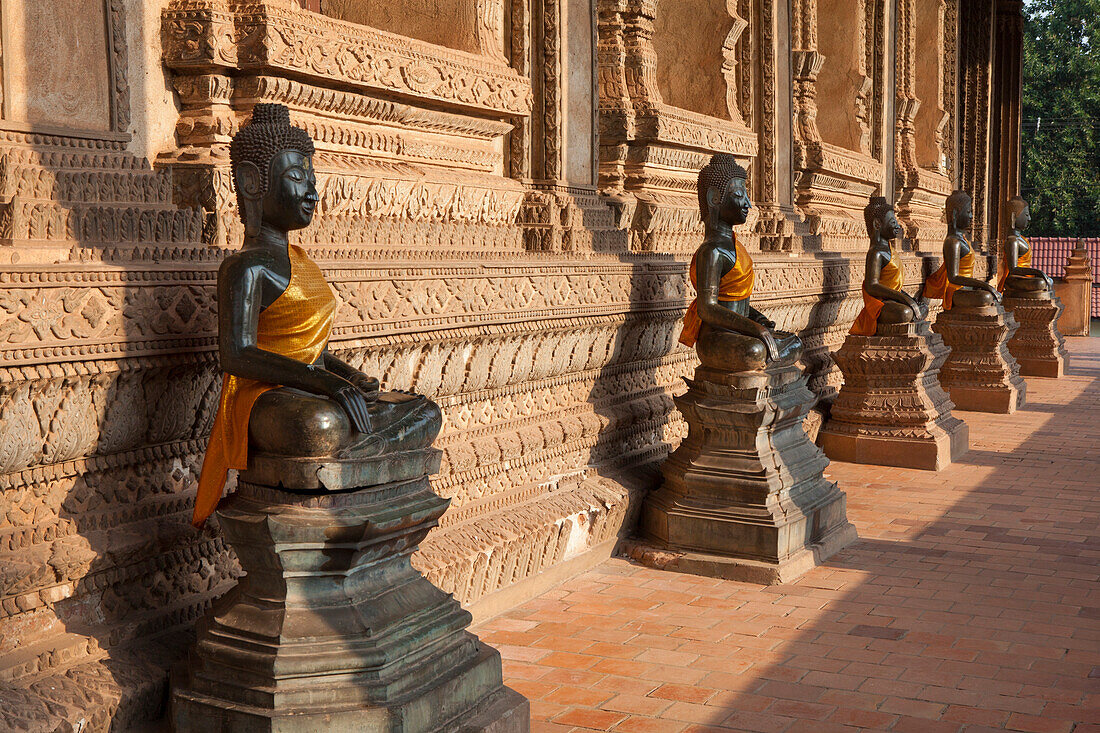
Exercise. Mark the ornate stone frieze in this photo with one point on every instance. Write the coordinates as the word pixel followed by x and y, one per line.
pixel 542 316
pixel 981 374
pixel 891 410
pixel 1037 345
pixel 274 35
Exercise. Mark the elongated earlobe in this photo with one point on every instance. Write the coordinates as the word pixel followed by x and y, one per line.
pixel 247 179
pixel 714 201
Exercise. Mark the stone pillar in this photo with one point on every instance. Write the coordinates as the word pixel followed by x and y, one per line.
pixel 974 167
pixel 1075 292
pixel 744 497
pixel 892 410
pixel 980 374
pixel 332 629
pixel 1037 345
pixel 1007 74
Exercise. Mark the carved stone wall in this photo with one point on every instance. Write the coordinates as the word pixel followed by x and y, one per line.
pixel 840 97
pixel 449 23
pixel 924 144
pixel 506 217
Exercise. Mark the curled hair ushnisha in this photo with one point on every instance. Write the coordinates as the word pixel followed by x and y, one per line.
pixel 718 173
pixel 267 134
pixel 875 210
pixel 1016 204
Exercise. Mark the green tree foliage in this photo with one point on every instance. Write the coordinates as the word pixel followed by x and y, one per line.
pixel 1061 116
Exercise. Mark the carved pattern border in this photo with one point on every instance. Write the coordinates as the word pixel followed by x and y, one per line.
pixel 202 35
pixel 120 69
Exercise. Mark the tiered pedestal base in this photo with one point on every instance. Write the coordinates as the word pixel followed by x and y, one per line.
pixel 892 410
pixel 1037 345
pixel 980 374
pixel 332 629
pixel 743 496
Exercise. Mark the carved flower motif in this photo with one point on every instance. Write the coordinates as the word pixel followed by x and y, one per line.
pixel 94 312
pixel 186 309
pixel 42 314
pixel 421 77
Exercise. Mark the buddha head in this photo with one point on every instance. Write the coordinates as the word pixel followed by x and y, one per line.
pixel 959 210
pixel 273 171
pixel 881 220
pixel 722 190
pixel 1019 213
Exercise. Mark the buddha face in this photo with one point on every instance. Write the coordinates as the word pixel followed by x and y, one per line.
pixel 291 196
pixel 891 229
pixel 964 215
pixel 1023 218
pixel 735 205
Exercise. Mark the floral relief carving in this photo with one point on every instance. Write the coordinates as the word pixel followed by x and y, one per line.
pixel 542 317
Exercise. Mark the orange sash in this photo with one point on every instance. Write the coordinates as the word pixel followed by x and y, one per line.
pixel 939 287
pixel 297 325
pixel 891 277
pixel 1023 260
pixel 735 285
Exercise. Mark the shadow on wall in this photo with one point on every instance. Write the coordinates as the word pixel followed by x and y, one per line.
pixel 632 393
pixel 102 437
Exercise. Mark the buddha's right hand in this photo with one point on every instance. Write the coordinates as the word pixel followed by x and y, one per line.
pixel 354 403
pixel 770 343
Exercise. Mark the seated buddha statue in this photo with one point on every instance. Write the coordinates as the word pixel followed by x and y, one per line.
pixel 727 332
pixel 1018 278
pixel 283 391
pixel 954 282
pixel 884 301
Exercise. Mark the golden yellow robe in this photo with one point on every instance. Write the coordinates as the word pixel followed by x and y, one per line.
pixel 891 277
pixel 939 288
pixel 735 285
pixel 1023 260
pixel 297 325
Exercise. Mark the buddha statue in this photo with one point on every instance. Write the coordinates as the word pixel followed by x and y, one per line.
pixel 1018 278
pixel 283 392
pixel 954 282
pixel 884 301
pixel 726 331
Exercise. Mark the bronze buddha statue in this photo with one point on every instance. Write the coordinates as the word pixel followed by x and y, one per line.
pixel 726 331
pixel 954 282
pixel 1018 279
pixel 284 392
pixel 884 301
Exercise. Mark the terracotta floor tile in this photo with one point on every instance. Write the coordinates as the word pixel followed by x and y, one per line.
pixel 971 602
pixel 685 693
pixel 596 719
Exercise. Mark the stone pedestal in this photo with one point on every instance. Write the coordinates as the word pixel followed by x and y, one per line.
pixel 1075 293
pixel 1037 345
pixel 892 410
pixel 980 374
pixel 332 629
pixel 743 496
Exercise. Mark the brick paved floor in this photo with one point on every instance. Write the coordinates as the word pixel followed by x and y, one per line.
pixel 970 603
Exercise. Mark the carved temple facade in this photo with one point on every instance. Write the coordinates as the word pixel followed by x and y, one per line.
pixel 507 214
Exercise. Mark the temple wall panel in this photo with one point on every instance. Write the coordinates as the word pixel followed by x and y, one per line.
pixel 507 213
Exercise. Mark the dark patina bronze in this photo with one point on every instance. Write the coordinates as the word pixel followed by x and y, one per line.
pixel 882 228
pixel 972 292
pixel 327 408
pixel 1022 282
pixel 734 335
